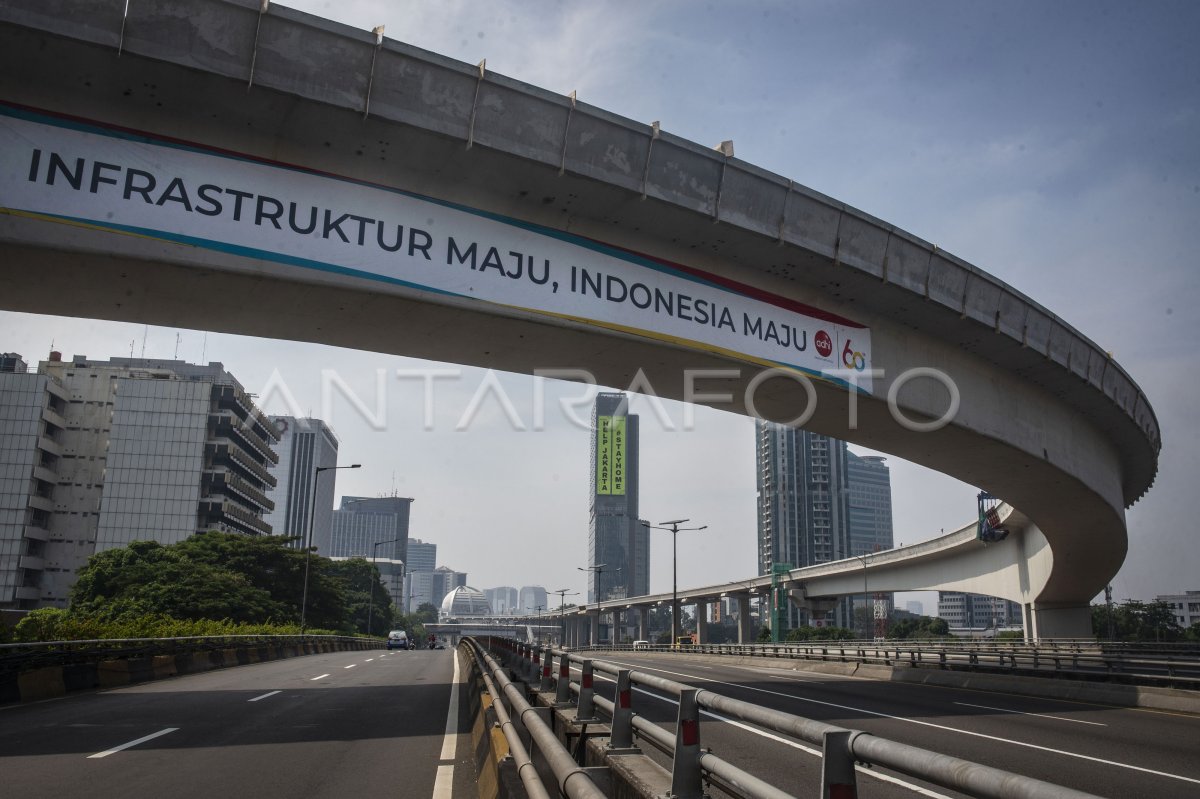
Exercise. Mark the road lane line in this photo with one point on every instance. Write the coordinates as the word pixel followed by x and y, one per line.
pixel 264 696
pixel 1026 713
pixel 930 724
pixel 141 740
pixel 370 659
pixel 323 676
pixel 443 784
pixel 352 665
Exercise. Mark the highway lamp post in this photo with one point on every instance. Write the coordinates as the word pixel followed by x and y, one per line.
pixel 312 512
pixel 598 569
pixel 674 529
pixel 866 597
pixel 562 614
pixel 371 603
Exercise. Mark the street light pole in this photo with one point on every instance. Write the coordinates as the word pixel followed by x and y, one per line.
pixel 312 512
pixel 674 529
pixel 598 569
pixel 371 604
pixel 562 614
pixel 866 596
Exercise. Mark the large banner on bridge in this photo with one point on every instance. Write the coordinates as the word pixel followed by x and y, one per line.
pixel 79 173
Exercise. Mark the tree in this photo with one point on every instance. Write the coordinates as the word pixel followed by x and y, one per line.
pixel 214 575
pixel 1133 620
pixel 426 612
pixel 356 578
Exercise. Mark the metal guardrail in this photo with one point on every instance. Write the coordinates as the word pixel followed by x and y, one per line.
pixel 691 766
pixel 27 656
pixel 1150 664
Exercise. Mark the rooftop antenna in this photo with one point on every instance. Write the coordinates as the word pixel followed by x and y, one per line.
pixel 145 332
pixel 178 338
pixel 132 341
pixel 204 349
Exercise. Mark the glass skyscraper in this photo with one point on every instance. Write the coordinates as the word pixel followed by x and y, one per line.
pixel 818 502
pixel 362 522
pixel 616 540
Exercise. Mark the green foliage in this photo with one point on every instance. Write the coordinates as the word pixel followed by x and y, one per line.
pixel 920 627
pixel 807 633
pixel 426 613
pixel 764 635
pixel 231 578
pixel 55 624
pixel 1133 620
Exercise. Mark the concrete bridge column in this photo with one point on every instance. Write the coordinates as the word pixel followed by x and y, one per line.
pixel 617 632
pixel 745 631
pixel 594 636
pixel 702 608
pixel 1057 621
pixel 644 623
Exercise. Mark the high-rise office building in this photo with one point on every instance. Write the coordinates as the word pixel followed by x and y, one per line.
pixel 422 560
pixel 532 597
pixel 977 611
pixel 445 580
pixel 362 523
pixel 870 484
pixel 803 505
pixel 96 454
pixel 618 545
pixel 305 445
pixel 422 556
pixel 504 600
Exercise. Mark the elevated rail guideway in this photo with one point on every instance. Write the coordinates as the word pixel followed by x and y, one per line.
pixel 237 166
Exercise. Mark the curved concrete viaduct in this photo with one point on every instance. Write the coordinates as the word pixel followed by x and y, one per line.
pixel 1047 420
pixel 1018 569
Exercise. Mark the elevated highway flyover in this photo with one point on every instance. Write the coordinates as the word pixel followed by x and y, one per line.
pixel 237 166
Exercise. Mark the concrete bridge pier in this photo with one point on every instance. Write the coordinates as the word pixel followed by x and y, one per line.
pixel 618 632
pixel 1044 621
pixel 702 609
pixel 644 623
pixel 745 632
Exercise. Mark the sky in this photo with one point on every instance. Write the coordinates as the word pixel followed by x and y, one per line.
pixel 1054 145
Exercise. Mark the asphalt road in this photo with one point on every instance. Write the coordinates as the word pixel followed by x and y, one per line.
pixel 334 725
pixel 1108 751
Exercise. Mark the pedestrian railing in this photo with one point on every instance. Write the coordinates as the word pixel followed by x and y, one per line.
pixel 691 765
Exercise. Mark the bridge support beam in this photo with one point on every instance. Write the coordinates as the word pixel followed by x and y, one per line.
pixel 618 633
pixel 644 623
pixel 702 608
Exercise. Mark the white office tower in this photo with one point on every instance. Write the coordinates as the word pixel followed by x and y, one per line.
pixel 96 454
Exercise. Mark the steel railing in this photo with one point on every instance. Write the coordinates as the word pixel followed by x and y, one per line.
pixel 1154 664
pixel 692 766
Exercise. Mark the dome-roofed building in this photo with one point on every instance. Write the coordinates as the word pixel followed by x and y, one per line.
pixel 465 601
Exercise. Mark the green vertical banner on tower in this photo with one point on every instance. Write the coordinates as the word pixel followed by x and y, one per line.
pixel 618 454
pixel 604 455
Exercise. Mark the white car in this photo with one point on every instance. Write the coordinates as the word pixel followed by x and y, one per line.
pixel 641 645
pixel 397 639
